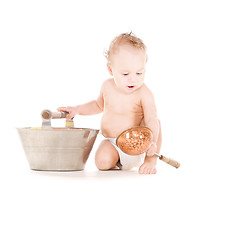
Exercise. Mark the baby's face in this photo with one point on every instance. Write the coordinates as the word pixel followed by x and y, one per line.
pixel 128 68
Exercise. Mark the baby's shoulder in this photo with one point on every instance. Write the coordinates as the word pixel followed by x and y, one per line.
pixel 145 91
pixel 108 83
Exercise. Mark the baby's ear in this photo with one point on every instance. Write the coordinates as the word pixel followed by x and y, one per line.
pixel 109 69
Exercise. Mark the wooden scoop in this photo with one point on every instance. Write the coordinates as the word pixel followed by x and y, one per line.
pixel 138 140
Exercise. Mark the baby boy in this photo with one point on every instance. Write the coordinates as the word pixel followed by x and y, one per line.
pixel 125 102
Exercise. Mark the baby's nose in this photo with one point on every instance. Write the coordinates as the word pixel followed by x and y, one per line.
pixel 131 78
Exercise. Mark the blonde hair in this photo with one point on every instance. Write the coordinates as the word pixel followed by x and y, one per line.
pixel 124 38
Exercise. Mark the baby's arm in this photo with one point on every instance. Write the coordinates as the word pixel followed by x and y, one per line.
pixel 90 108
pixel 150 117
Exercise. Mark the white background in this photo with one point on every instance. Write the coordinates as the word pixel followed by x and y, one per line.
pixel 51 55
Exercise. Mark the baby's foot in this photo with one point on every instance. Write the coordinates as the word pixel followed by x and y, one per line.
pixel 148 167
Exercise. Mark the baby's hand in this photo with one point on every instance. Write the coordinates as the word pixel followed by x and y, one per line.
pixel 152 150
pixel 71 110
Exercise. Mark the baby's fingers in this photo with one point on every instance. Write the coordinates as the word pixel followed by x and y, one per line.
pixel 70 116
pixel 62 109
pixel 70 110
pixel 151 151
pixel 65 109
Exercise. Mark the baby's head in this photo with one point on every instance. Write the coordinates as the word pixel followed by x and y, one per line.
pixel 127 59
pixel 124 39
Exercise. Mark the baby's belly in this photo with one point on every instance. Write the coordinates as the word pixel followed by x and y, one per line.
pixel 113 125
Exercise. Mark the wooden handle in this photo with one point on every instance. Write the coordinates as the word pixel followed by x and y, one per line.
pixel 59 114
pixel 170 161
pixel 47 114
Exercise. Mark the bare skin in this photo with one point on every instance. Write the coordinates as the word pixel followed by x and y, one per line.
pixel 125 102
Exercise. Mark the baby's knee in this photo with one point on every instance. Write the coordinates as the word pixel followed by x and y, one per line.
pixel 102 163
pixel 105 162
pixel 106 156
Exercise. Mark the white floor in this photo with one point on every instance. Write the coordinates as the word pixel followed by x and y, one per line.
pixel 191 202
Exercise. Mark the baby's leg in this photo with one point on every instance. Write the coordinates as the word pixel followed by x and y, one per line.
pixel 106 156
pixel 149 165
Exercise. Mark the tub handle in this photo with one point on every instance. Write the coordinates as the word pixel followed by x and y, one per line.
pixel 47 115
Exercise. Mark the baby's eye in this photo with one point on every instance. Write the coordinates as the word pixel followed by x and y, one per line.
pixel 139 73
pixel 125 74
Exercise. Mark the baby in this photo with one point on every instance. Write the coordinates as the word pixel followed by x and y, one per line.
pixel 125 102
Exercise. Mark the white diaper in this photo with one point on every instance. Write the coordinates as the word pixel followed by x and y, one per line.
pixel 128 161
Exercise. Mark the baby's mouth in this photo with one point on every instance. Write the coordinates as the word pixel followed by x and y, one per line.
pixel 131 86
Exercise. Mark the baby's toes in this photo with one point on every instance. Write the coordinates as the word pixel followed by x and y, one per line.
pixel 141 169
pixel 153 171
